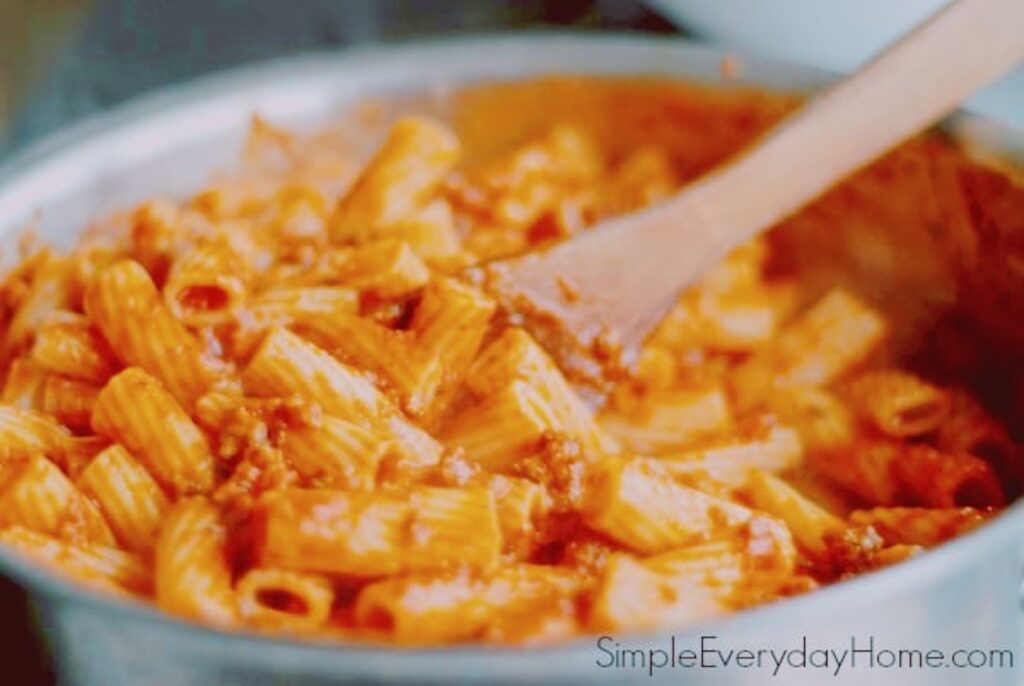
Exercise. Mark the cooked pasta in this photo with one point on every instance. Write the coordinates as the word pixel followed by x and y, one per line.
pixel 337 453
pixel 25 433
pixel 49 292
pixel 831 338
pixel 397 182
pixel 129 498
pixel 370 535
pixel 452 607
pixel 277 599
pixel 71 345
pixel 104 567
pixel 24 385
pixel 69 401
pixel 135 410
pixel 281 405
pixel 37 495
pixel 206 283
pixel 193 577
pixel 899 404
pixel 688 584
pixel 637 505
pixel 125 305
pixel 811 524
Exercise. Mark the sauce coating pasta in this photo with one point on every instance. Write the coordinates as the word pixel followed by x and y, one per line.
pixel 277 406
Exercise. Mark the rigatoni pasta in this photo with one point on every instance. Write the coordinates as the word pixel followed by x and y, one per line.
pixel 828 340
pixel 667 420
pixel 193 576
pixel 898 403
pixel 285 365
pixel 642 509
pixel 104 567
pixel 689 584
pixel 386 268
pixel 49 292
pixel 337 453
pixel 370 535
pixel 356 534
pixel 399 180
pixel 24 385
pixel 26 433
pixel 206 283
pixel 129 498
pixel 69 401
pixel 276 599
pixel 135 410
pixel 37 495
pixel 70 345
pixel 123 302
pixel 811 524
pixel 282 306
pixel 453 607
pixel 280 405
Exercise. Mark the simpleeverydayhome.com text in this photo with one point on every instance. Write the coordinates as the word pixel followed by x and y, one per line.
pixel 860 653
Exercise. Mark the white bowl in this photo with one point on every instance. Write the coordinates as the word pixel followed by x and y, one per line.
pixel 833 34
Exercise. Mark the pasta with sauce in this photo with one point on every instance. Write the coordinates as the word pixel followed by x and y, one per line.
pixel 276 406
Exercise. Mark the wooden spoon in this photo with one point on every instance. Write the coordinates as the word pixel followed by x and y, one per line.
pixel 591 299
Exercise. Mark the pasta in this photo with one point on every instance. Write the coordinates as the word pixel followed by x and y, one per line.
pixel 883 472
pixel 523 394
pixel 135 410
pixel 38 496
pixel 284 600
pixel 206 283
pixel 812 525
pixel 193 578
pixel 69 401
pixel 769 448
pixel 337 453
pixel 521 505
pixel 642 509
pixel 69 345
pixel 370 535
pixel 285 365
pixel 24 385
pixel 350 533
pixel 26 433
pixel 282 306
pixel 686 585
pixel 899 404
pixel 104 567
pixel 431 609
pixel 670 419
pixel 49 292
pixel 123 302
pixel 419 362
pixel 282 405
pixel 411 164
pixel 129 498
pixel 829 339
pixel 432 234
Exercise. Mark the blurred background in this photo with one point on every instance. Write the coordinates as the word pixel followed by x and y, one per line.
pixel 61 60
